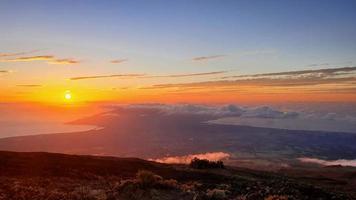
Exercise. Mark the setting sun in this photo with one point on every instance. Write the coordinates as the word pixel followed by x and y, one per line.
pixel 68 95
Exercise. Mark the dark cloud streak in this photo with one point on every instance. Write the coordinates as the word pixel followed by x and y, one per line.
pixel 49 58
pixel 188 75
pixel 29 85
pixel 143 75
pixel 107 76
pixel 203 58
pixel 19 53
pixel 118 61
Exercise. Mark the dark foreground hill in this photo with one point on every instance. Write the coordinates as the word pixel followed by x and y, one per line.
pixel 58 176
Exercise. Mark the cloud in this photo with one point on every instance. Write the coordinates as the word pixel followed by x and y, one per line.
pixel 4 71
pixel 245 53
pixel 341 162
pixel 193 109
pixel 144 76
pixel 63 62
pixel 292 118
pixel 188 75
pixel 49 58
pixel 29 85
pixel 118 61
pixel 318 64
pixel 345 77
pixel 258 82
pixel 107 76
pixel 268 112
pixel 308 117
pixel 203 58
pixel 212 156
pixel 18 54
pixel 220 111
pixel 330 64
pixel 312 73
pixel 30 58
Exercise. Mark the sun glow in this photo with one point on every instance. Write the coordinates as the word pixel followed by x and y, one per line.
pixel 68 95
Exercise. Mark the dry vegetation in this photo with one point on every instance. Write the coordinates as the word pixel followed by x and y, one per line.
pixel 101 178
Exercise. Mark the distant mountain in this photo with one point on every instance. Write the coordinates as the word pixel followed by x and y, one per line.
pixel 151 133
pixel 58 176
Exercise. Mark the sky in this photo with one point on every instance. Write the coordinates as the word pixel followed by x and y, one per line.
pixel 177 51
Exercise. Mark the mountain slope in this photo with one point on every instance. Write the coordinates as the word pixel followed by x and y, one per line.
pixel 59 176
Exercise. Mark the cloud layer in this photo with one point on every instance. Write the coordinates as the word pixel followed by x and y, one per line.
pixel 338 79
pixel 220 111
pixel 307 117
pixel 211 156
pixel 341 162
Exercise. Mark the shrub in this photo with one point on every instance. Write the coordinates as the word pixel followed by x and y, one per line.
pixel 147 178
pixel 197 163
pixel 189 187
pixel 169 184
pixel 276 197
pixel 216 194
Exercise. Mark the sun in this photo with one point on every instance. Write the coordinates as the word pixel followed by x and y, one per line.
pixel 68 95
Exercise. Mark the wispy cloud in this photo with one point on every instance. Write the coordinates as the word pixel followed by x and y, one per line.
pixel 318 72
pixel 118 61
pixel 30 58
pixel 341 162
pixel 344 77
pixel 330 64
pixel 318 64
pixel 203 58
pixel 29 85
pixel 260 82
pixel 49 58
pixel 188 75
pixel 4 71
pixel 63 61
pixel 107 76
pixel 18 53
pixel 145 76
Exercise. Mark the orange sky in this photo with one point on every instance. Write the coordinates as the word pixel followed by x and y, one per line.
pixel 56 96
pixel 130 52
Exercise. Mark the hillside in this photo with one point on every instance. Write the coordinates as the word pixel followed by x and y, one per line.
pixel 60 176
